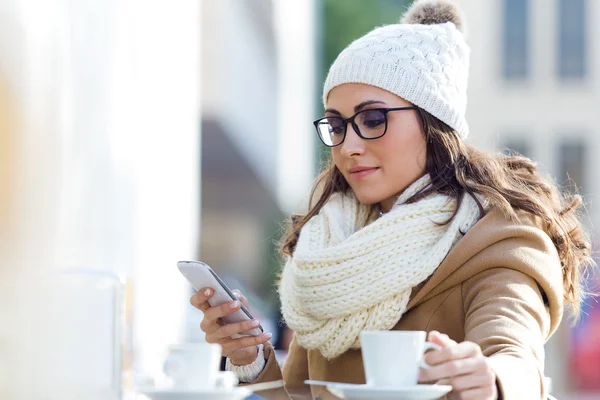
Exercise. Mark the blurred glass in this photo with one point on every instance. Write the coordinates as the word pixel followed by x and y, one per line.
pixel 63 336
pixel 81 336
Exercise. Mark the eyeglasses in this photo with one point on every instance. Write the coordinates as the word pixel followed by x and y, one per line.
pixel 368 124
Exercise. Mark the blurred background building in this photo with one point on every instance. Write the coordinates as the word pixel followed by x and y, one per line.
pixel 534 82
pixel 134 134
pixel 239 144
pixel 257 157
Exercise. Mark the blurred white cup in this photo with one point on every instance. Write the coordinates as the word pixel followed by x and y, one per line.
pixel 195 366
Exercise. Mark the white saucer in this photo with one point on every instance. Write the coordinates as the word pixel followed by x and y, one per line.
pixel 238 393
pixel 351 391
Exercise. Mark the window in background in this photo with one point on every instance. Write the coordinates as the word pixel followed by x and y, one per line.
pixel 515 37
pixel 517 146
pixel 572 39
pixel 572 161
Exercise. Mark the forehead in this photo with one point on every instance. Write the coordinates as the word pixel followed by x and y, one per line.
pixel 348 95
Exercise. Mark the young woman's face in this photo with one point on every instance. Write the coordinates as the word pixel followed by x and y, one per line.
pixel 378 170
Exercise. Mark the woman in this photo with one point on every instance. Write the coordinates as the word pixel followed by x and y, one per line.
pixel 412 229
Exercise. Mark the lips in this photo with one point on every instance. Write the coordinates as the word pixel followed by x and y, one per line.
pixel 360 172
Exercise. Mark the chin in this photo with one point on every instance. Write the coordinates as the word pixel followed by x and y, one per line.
pixel 367 198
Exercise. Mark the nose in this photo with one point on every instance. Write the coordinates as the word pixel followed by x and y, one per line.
pixel 353 144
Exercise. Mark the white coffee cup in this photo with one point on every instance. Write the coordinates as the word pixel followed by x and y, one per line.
pixel 393 358
pixel 194 366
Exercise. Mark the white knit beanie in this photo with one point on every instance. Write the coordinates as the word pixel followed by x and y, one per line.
pixel 424 59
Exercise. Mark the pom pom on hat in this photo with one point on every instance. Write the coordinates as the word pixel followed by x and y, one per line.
pixel 432 12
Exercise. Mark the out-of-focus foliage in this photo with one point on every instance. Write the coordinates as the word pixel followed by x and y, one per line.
pixel 345 20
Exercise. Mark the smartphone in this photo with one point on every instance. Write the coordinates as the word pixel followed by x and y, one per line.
pixel 201 276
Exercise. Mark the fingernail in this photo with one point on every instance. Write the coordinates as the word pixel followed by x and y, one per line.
pixel 255 322
pixel 267 335
pixel 234 304
pixel 236 293
pixel 207 292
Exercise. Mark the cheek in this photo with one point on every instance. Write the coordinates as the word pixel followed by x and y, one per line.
pixel 405 151
pixel 338 160
pixel 337 157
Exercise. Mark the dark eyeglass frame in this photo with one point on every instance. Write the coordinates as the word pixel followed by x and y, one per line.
pixel 345 121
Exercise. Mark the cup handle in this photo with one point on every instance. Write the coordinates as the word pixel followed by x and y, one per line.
pixel 428 346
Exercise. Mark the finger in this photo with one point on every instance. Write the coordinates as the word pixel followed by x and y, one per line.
pixel 440 339
pixel 451 369
pixel 434 337
pixel 209 326
pixel 242 298
pixel 448 340
pixel 214 313
pixel 456 352
pixel 246 341
pixel 472 381
pixel 200 299
pixel 231 329
pixel 474 394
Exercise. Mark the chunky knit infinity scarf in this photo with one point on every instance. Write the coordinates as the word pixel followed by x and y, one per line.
pixel 350 274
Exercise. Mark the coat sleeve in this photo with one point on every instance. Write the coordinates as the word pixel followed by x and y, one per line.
pixel 506 316
pixel 294 373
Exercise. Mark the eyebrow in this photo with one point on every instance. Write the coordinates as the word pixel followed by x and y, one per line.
pixel 356 108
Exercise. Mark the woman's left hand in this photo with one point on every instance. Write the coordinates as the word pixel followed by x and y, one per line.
pixel 461 365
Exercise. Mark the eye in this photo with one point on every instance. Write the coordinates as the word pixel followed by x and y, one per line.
pixel 336 125
pixel 372 118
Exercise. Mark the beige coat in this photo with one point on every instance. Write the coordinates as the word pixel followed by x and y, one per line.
pixel 500 287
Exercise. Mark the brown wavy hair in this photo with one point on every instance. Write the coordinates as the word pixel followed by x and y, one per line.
pixel 510 182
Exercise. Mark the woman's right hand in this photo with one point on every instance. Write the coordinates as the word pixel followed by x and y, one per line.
pixel 241 351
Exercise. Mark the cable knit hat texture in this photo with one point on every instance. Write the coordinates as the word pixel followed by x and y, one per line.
pixel 424 59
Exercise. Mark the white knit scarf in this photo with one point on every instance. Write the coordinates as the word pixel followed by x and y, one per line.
pixel 349 274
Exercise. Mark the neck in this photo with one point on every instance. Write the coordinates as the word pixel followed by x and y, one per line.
pixel 387 204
